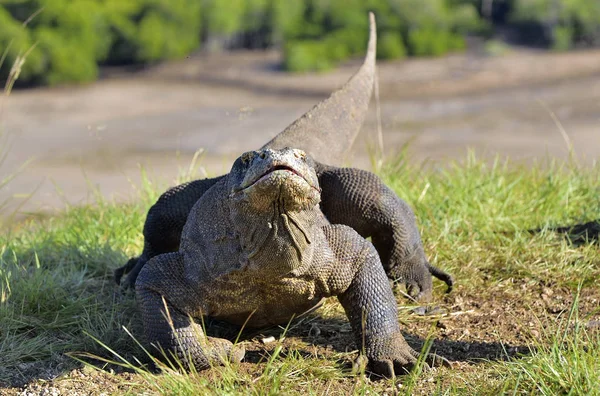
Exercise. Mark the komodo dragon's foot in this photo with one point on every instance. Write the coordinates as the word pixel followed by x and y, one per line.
pixel 126 275
pixel 206 354
pixel 193 355
pixel 418 279
pixel 220 351
pixel 393 356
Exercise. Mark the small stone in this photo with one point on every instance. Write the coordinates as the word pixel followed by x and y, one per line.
pixel 421 311
pixel 314 331
pixel 593 324
pixel 455 365
pixel 545 297
pixel 435 310
pixel 554 309
pixel 267 340
pixel 535 333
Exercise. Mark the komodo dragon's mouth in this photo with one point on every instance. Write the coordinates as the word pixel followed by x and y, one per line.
pixel 274 169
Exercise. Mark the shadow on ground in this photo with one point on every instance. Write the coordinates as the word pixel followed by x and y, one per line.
pixel 325 336
pixel 577 234
pixel 94 311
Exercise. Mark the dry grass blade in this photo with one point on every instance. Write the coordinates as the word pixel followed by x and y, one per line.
pixel 13 75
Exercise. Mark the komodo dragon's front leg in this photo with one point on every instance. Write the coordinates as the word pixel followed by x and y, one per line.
pixel 163 226
pixel 362 287
pixel 360 199
pixel 167 303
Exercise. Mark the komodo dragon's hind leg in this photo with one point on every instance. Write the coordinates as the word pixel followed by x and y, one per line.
pixel 359 199
pixel 163 226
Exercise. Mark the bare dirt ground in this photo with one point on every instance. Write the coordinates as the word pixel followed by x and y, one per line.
pixel 98 135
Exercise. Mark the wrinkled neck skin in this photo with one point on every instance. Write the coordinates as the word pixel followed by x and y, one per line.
pixel 275 240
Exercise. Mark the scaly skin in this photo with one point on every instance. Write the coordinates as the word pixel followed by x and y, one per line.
pixel 257 249
pixel 269 256
pixel 325 132
pixel 353 197
pixel 163 226
pixel 359 199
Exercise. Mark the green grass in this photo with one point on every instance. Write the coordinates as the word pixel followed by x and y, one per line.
pixel 474 216
pixel 565 362
pixel 57 295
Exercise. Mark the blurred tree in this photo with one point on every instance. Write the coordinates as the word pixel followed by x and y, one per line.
pixel 73 36
pixel 67 53
pixel 335 29
pixel 286 19
pixel 563 23
pixel 390 46
pixel 143 31
pixel 224 17
pixel 15 40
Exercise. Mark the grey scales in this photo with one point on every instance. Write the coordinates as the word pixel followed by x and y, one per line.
pixel 279 233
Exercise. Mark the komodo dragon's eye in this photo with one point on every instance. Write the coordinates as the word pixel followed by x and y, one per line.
pixel 246 158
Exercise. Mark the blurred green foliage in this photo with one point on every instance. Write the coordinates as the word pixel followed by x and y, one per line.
pixel 333 30
pixel 563 24
pixel 72 38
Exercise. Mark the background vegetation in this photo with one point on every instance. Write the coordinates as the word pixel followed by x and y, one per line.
pixel 72 38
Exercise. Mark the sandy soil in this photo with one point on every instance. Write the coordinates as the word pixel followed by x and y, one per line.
pixel 99 135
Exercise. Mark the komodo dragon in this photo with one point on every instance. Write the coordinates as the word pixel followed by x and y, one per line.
pixel 280 232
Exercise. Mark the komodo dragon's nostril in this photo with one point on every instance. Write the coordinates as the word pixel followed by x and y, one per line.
pixel 299 155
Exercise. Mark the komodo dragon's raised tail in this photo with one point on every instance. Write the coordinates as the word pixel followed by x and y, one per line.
pixel 328 130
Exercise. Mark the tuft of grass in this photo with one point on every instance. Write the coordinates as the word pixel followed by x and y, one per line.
pixel 13 76
pixel 479 218
pixel 564 361
pixel 55 284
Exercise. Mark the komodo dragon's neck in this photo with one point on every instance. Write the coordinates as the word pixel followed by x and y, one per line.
pixel 275 242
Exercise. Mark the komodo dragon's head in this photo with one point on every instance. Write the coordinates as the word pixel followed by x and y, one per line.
pixel 273 204
pixel 283 178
